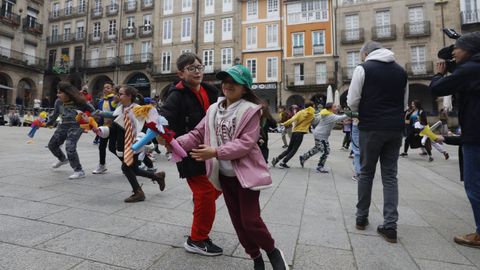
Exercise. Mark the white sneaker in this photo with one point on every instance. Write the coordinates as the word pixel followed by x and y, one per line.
pixel 77 175
pixel 101 169
pixel 59 163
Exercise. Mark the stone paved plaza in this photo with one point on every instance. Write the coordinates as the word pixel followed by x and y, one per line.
pixel 49 222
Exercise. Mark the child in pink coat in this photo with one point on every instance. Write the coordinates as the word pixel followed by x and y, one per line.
pixel 226 139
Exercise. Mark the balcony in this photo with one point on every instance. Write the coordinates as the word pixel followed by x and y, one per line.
pixel 298 50
pixel 347 73
pixel 96 13
pixel 419 70
pixel 352 36
pixel 63 67
pixel 9 18
pixel 109 36
pixel 147 4
pixel 101 63
pixel 417 29
pixel 470 19
pixel 130 6
pixel 310 81
pixel 129 33
pixel 9 56
pixel 66 13
pixel 136 61
pixel 31 26
pixel 111 10
pixel 145 31
pixel 308 16
pixel 384 32
pixel 65 39
pixel 95 38
pixel 318 49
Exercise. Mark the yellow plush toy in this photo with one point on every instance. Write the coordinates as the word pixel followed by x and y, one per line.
pixel 86 121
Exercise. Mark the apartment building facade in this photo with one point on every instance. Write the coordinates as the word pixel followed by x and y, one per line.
pixel 22 51
pixel 262 46
pixel 308 46
pixel 470 15
pixel 411 29
pixel 208 28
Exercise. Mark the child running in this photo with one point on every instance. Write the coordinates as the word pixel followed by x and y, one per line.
pixel 69 102
pixel 226 139
pixel 321 133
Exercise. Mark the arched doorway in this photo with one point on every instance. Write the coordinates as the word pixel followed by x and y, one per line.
pixel 5 90
pixel 141 82
pixel 295 99
pixel 27 90
pixel 420 92
pixel 96 86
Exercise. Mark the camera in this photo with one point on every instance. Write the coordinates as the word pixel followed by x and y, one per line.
pixel 446 53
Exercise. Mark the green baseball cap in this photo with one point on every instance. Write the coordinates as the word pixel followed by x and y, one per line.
pixel 239 73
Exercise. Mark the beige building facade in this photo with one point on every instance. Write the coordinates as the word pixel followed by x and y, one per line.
pixel 22 51
pixel 411 29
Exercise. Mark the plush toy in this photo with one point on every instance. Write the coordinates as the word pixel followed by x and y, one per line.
pixel 36 124
pixel 86 121
pixel 155 124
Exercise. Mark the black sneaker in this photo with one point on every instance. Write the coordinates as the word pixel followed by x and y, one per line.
pixel 404 154
pixel 302 160
pixel 361 223
pixel 206 247
pixel 390 235
pixel 284 165
pixel 258 263
pixel 275 161
pixel 277 259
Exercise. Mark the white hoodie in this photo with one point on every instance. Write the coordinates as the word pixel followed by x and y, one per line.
pixel 358 78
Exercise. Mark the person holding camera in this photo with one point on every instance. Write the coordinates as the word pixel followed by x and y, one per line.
pixel 465 83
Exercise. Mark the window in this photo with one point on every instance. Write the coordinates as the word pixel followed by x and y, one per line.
pixel 147 23
pixel 272 69
pixel 209 6
pixel 227 5
pixel 208 60
pixel 5 42
pixel 96 31
pixel 186 5
pixel 111 55
pixel 130 31
pixel 97 7
pixel 318 40
pixel 68 7
pixel 352 31
pixel 128 53
pixel 67 31
pixel 185 51
pixel 308 11
pixel 299 74
pixel 112 28
pixel 32 16
pixel 321 73
pixel 227 58
pixel 94 55
pixel 208 31
pixel 471 12
pixel 272 35
pixel 353 59
pixel 7 7
pixel 166 62
pixel 227 29
pixel 167 7
pixel 418 57
pixel 298 44
pixel 54 32
pixel 252 66
pixel 167 31
pixel 272 8
pixel 146 51
pixel 252 9
pixel 382 23
pixel 251 37
pixel 29 54
pixel 82 5
pixel 186 34
pixel 55 9
pixel 415 19
pixel 80 32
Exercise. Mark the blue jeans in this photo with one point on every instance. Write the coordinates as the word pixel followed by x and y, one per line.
pixel 356 148
pixel 471 177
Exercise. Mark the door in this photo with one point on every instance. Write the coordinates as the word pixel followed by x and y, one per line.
pixel 146 51
pixel 110 55
pixel 52 56
pixel 299 74
pixel 29 54
pixel 418 54
pixel 351 27
pixel 321 73
pixel 415 18
pixel 382 22
pixel 94 54
pixel 128 53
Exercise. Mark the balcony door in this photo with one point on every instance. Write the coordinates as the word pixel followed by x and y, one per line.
pixel 382 22
pixel 299 74
pixel 146 51
pixel 321 73
pixel 94 54
pixel 110 55
pixel 5 46
pixel 415 18
pixel 471 11
pixel 352 24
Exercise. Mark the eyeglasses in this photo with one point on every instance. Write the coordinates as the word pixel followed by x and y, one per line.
pixel 195 68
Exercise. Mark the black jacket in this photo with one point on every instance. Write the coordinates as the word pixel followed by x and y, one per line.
pixel 464 82
pixel 183 111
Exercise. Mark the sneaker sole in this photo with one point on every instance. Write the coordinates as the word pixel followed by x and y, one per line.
pixel 390 240
pixel 75 178
pixel 102 172
pixel 191 249
pixel 360 227
pixel 460 242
